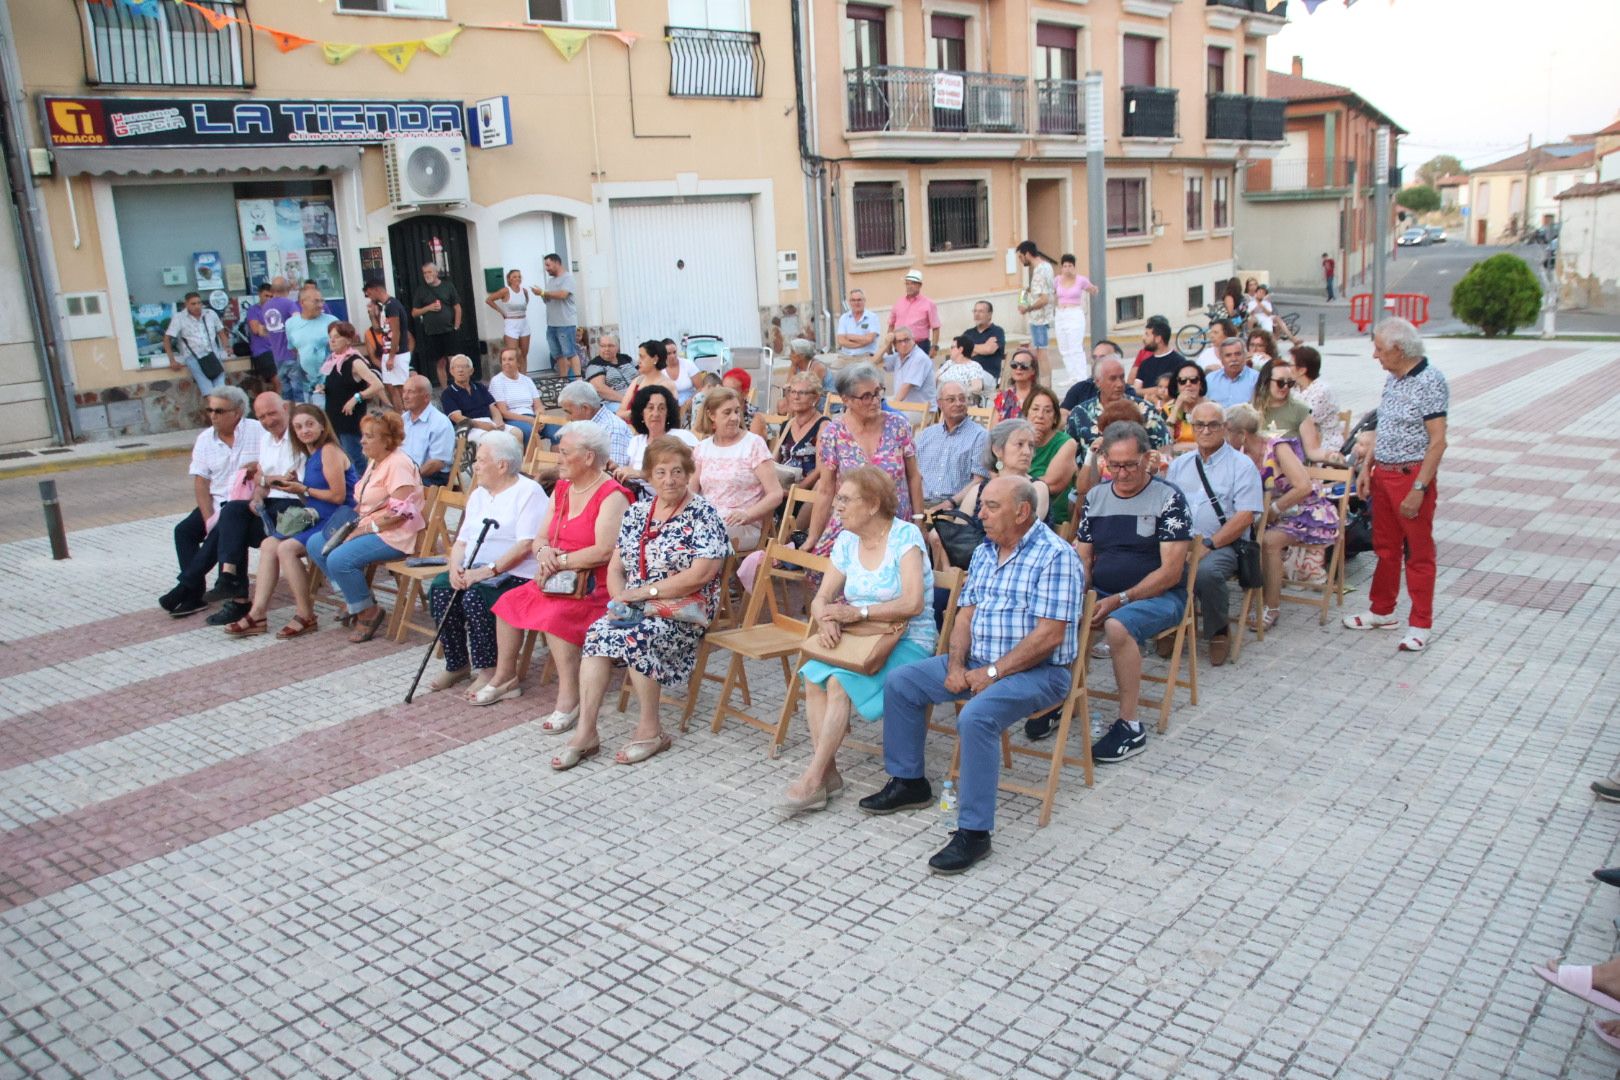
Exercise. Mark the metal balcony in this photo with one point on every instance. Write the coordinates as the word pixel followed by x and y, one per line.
pixel 1266 119
pixel 1150 112
pixel 1253 7
pixel 1060 107
pixel 170 45
pixel 1242 118
pixel 1298 178
pixel 901 99
pixel 714 63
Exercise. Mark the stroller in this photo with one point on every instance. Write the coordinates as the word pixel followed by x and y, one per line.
pixel 709 353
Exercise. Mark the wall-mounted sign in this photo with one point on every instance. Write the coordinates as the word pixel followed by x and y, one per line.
pixel 949 91
pixel 112 121
pixel 490 122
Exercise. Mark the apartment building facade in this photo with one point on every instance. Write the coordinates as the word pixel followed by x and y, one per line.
pixel 1315 195
pixel 1497 192
pixel 948 131
pixel 170 154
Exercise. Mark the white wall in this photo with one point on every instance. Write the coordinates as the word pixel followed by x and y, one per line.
pixel 24 420
pixel 1287 240
pixel 1589 253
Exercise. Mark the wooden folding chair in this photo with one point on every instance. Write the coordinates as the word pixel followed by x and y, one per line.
pixel 411 581
pixel 774 422
pixel 1184 638
pixel 915 412
pixel 984 417
pixel 460 464
pixel 1326 480
pixel 699 674
pixel 539 463
pixel 766 633
pixel 1076 709
pixel 951 579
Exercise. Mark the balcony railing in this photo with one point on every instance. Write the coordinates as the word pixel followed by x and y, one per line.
pixel 1240 117
pixel 1254 7
pixel 173 45
pixel 714 63
pixel 1298 177
pixel 1150 112
pixel 925 100
pixel 1060 107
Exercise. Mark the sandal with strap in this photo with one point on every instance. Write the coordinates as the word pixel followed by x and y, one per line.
pixel 1416 640
pixel 298 626
pixel 634 753
pixel 366 629
pixel 247 626
pixel 1368 620
pixel 573 755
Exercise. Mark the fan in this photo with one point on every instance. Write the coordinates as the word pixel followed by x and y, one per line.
pixel 427 170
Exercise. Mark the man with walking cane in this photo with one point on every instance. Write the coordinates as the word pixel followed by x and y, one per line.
pixel 493 552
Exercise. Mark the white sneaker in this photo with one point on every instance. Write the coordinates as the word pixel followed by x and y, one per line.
pixel 1368 621
pixel 1416 639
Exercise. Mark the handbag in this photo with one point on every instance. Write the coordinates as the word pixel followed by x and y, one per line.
pixel 338 527
pixel 863 648
pixel 294 520
pixel 960 533
pixel 1250 574
pixel 574 583
pixel 208 363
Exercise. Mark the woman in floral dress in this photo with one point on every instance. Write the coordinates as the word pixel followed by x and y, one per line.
pixel 665 575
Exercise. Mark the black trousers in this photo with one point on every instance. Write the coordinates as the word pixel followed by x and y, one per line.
pixel 239 528
pixel 195 549
pixel 431 348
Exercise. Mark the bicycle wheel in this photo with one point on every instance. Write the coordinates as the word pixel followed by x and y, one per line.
pixel 1191 339
pixel 1291 320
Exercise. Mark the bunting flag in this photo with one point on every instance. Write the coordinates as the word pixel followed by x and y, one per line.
pixel 210 16
pixel 568 42
pixel 629 37
pixel 398 54
pixel 336 52
pixel 439 44
pixel 147 8
pixel 284 41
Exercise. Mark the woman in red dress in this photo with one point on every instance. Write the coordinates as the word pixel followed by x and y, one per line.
pixel 577 537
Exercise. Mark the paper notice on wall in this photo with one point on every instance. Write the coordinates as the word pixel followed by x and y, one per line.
pixel 949 90
pixel 208 270
pixel 324 269
pixel 235 278
pixel 258 221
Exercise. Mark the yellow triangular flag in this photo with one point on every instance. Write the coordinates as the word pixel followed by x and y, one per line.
pixel 398 54
pixel 568 42
pixel 439 44
pixel 336 52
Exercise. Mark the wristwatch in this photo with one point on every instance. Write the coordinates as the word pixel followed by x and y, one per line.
pixel 992 672
pixel 1420 486
pixel 652 591
pixel 1124 597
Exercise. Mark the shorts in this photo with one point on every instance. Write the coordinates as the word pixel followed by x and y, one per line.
pixel 401 370
pixel 516 329
pixel 1146 619
pixel 560 342
pixel 263 365
pixel 1040 335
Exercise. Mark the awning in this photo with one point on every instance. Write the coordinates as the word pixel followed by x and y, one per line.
pixel 158 161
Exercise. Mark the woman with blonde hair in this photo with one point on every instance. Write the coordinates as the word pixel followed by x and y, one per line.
pixel 734 470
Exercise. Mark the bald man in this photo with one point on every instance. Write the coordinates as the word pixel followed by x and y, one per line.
pixel 430 437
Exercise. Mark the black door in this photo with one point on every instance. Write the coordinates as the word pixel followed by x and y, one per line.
pixel 442 241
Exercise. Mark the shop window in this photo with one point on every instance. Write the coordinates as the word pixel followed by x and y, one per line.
pixel 958 215
pixel 1128 309
pixel 421 9
pixel 572 12
pixel 173 46
pixel 1127 207
pixel 880 219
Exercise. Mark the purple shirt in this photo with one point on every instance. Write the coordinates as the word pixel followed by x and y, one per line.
pixel 273 313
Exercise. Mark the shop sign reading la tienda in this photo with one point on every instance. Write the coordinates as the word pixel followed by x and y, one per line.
pixel 154 122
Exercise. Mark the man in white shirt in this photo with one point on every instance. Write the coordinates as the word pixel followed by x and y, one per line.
pixel 244 523
pixel 914 379
pixel 228 445
pixel 199 336
pixel 857 327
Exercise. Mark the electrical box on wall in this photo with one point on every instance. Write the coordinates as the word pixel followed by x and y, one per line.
pixel 787 280
pixel 175 275
pixel 87 315
pixel 787 260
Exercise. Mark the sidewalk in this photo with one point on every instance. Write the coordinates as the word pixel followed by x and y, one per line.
pixel 19 463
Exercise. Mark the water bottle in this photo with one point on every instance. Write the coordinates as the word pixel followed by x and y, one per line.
pixel 948 803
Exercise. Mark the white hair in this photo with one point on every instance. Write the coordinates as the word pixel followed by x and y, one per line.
pixel 1397 333
pixel 234 396
pixel 857 375
pixel 580 393
pixel 588 435
pixel 505 448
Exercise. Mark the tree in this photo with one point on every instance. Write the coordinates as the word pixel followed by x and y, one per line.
pixel 1440 165
pixel 1498 295
pixel 1419 200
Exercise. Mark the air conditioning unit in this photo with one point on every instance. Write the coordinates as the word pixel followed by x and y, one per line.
pixel 426 169
pixel 993 109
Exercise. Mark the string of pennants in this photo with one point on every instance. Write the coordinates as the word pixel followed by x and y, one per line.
pixel 396 54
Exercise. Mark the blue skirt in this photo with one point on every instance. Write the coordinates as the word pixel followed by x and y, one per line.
pixel 865 691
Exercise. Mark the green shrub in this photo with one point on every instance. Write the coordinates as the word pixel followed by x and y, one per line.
pixel 1421 200
pixel 1498 295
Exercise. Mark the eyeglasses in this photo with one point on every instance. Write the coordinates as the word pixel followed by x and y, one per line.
pixel 803 393
pixel 951 399
pixel 1285 383
pixel 870 395
pixel 1194 381
pixel 1207 425
pixel 1124 466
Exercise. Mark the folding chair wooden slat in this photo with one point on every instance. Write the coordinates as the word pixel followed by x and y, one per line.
pixel 1183 637
pixel 411 581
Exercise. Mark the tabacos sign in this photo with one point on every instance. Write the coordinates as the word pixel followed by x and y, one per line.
pixel 110 121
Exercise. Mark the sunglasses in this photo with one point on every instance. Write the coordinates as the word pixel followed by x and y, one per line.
pixel 1188 382
pixel 1022 367
pixel 1286 383
pixel 218 412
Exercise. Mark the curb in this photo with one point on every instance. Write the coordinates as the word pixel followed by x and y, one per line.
pixel 69 464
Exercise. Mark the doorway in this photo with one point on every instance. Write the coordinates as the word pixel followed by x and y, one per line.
pixel 1043 215
pixel 1480 233
pixel 442 241
pixel 525 241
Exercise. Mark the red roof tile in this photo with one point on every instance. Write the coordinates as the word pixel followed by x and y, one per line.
pixel 1280 84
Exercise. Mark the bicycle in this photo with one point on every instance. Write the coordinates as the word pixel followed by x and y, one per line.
pixel 1192 338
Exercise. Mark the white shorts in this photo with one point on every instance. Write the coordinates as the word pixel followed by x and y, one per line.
pixel 400 371
pixel 516 329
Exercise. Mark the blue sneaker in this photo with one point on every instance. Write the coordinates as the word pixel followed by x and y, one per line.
pixel 1120 743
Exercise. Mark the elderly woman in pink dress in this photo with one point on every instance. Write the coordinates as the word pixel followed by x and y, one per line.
pixel 735 471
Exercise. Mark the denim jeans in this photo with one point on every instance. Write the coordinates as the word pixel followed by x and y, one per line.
pixel 525 427
pixel 909 690
pixel 560 343
pixel 351 447
pixel 205 385
pixel 294 386
pixel 346 566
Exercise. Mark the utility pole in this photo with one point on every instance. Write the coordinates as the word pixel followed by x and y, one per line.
pixel 1380 220
pixel 1096 205
pixel 1525 227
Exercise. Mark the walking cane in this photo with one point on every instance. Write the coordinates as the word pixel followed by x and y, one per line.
pixel 438 630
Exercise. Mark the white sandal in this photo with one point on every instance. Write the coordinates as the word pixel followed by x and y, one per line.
pixel 493 692
pixel 1416 639
pixel 559 722
pixel 1369 621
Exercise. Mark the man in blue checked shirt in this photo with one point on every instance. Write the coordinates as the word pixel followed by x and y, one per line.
pixel 1010 650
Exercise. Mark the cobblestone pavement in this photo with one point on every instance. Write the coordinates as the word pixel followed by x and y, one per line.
pixel 248 858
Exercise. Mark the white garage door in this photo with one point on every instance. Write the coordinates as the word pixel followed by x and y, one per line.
pixel 686 268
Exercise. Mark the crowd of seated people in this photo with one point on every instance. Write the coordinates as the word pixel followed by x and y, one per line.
pixel 621 558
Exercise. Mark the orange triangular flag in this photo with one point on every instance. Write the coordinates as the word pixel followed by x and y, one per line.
pixel 284 41
pixel 629 37
pixel 212 17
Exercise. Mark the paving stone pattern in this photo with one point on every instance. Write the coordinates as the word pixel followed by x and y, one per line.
pixel 248 858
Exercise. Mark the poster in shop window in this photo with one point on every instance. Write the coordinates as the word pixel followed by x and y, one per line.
pixel 323 267
pixel 151 320
pixel 320 224
pixel 294 238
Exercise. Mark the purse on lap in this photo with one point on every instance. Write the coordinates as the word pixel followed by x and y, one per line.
pixel 863 651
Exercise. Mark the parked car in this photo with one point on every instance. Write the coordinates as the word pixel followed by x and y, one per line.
pixel 1437 235
pixel 1413 238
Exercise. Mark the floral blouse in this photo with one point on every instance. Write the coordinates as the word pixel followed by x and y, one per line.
pixel 840 452
pixel 695 532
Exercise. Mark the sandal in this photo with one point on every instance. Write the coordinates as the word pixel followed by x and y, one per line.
pixel 494 692
pixel 1577 980
pixel 559 721
pixel 366 629
pixel 247 626
pixel 298 626
pixel 634 753
pixel 444 680
pixel 1416 639
pixel 1368 620
pixel 1597 1029
pixel 573 755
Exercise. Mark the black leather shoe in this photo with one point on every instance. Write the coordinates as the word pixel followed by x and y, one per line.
pixel 233 610
pixel 191 601
pixel 171 599
pixel 1606 789
pixel 227 587
pixel 1609 875
pixel 899 794
pixel 967 847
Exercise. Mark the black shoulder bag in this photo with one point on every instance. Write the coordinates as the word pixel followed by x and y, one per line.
pixel 960 533
pixel 1250 575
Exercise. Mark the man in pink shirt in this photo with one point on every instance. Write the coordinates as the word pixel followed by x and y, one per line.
pixel 916 311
